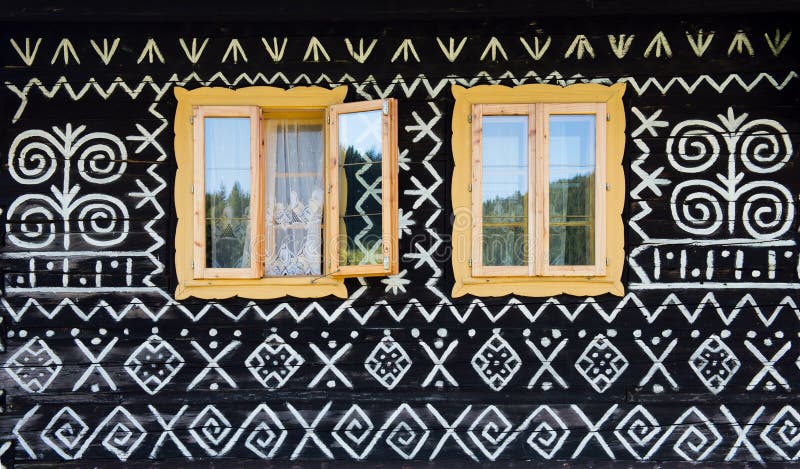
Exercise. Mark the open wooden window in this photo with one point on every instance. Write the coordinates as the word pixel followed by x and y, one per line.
pixel 362 231
pixel 292 191
pixel 539 185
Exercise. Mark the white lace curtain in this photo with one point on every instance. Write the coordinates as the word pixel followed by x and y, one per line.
pixel 294 197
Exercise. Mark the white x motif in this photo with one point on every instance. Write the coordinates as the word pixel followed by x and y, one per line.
pixel 310 434
pixel 658 363
pixel 450 431
pixel 95 365
pixel 169 432
pixel 547 364
pixel 768 366
pixel 425 128
pixel 213 364
pixel 741 433
pixel 438 363
pixel 649 180
pixel 648 124
pixel 147 138
pixel 330 365
pixel 594 430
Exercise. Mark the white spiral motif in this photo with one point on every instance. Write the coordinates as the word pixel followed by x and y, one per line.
pixel 694 145
pixel 102 219
pixel 764 146
pixel 30 222
pixel 697 207
pixel 103 160
pixel 31 159
pixel 768 209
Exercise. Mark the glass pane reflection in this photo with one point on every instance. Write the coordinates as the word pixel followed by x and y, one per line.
pixel 504 189
pixel 360 188
pixel 227 192
pixel 572 189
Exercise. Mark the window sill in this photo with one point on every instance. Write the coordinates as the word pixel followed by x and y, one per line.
pixel 537 286
pixel 261 289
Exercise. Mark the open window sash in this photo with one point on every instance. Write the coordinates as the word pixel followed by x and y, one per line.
pixel 361 223
pixel 227 192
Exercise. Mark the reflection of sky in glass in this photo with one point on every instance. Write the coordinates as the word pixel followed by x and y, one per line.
pixel 227 153
pixel 362 131
pixel 572 142
pixel 504 154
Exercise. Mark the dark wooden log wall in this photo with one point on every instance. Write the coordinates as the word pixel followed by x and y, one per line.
pixel 698 361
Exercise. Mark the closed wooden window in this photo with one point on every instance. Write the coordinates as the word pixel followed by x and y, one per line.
pixel 538 189
pixel 292 191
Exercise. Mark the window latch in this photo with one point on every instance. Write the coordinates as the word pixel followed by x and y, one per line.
pixel 469 262
pixel 386 107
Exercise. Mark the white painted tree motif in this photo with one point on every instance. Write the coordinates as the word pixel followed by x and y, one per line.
pixel 701 207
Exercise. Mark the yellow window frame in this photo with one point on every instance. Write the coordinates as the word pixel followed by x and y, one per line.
pixel 541 280
pixel 200 282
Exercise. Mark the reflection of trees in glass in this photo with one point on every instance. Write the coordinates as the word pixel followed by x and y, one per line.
pixel 505 230
pixel 360 243
pixel 572 220
pixel 227 224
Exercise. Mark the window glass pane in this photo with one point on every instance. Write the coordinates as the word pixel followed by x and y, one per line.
pixel 294 196
pixel 360 187
pixel 504 188
pixel 227 185
pixel 572 180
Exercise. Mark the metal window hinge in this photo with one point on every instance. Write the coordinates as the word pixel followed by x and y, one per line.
pixel 386 107
pixel 469 262
pixel 608 117
pixel 606 262
pixel 193 263
pixel 329 118
pixel 385 262
pixel 469 118
pixel 608 186
pixel 192 188
pixel 469 188
pixel 191 119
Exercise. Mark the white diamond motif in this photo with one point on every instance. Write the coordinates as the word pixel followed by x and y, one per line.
pixel 388 362
pixel 714 363
pixel 637 431
pixel 357 428
pixel 214 430
pixel 699 436
pixel 601 364
pixel 409 433
pixel 267 437
pixel 64 433
pixel 273 362
pixel 782 434
pixel 549 433
pixel 491 432
pixel 34 366
pixel 124 436
pixel 496 362
pixel 154 364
